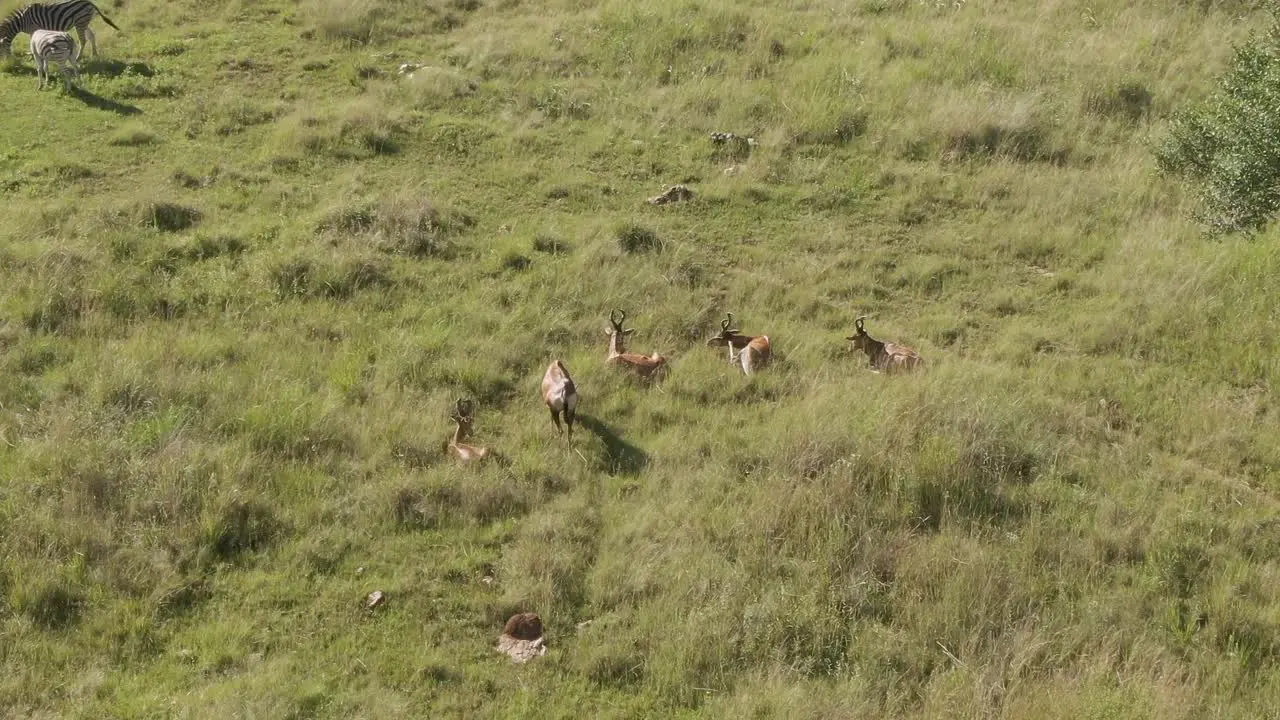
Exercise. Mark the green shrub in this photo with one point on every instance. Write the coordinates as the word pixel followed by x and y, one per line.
pixel 1228 146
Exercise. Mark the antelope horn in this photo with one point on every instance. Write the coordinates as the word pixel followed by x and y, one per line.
pixel 858 324
pixel 622 317
pixel 728 321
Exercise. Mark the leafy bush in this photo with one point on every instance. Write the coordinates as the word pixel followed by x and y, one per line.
pixel 1228 146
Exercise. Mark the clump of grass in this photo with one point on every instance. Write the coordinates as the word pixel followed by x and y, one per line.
pixel 235 115
pixel 837 131
pixel 181 598
pixel 372 126
pixel 364 128
pixel 352 22
pixel 239 527
pixel 401 225
pixel 303 278
pixel 415 509
pixel 1126 101
pixel 354 276
pixel 53 605
pixel 292 277
pixel 57 311
pixel 166 216
pixel 429 88
pixel 72 172
pixel 133 135
pixel 550 244
pixel 637 239
pixel 1022 143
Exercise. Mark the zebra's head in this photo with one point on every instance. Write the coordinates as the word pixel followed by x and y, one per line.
pixel 8 31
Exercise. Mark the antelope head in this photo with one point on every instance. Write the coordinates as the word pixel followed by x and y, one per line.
pixel 462 416
pixel 861 340
pixel 752 351
pixel 727 335
pixel 617 334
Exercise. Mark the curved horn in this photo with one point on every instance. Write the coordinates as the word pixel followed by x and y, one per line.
pixel 727 322
pixel 616 318
pixel 462 409
pixel 858 324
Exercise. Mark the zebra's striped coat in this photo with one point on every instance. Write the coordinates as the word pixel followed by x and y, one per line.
pixel 60 16
pixel 58 47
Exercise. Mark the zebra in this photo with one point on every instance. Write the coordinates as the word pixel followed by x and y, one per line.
pixel 60 16
pixel 49 45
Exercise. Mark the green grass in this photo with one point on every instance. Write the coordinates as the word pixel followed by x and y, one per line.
pixel 247 271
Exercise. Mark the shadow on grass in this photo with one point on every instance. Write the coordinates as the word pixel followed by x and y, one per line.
pixel 623 456
pixel 115 68
pixel 101 103
pixel 16 68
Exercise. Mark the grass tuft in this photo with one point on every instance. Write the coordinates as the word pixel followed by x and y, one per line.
pixel 166 216
pixel 133 135
pixel 637 239
pixel 240 527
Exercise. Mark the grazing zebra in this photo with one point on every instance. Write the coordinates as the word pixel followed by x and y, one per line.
pixel 48 45
pixel 60 16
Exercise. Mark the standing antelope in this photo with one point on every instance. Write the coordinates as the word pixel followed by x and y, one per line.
pixel 889 357
pixel 463 417
pixel 751 351
pixel 646 366
pixel 560 395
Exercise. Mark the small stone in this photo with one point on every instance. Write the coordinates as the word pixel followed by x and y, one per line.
pixel 375 599
pixel 360 570
pixel 675 193
pixel 521 651
pixel 486 580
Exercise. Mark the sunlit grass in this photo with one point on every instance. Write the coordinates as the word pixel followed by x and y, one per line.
pixel 247 274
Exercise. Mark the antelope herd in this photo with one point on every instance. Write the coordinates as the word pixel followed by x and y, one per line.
pixel 748 352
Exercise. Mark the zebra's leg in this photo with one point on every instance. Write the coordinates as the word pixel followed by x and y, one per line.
pixel 93 40
pixel 42 72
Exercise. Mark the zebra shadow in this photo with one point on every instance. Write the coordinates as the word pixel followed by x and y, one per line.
pixel 115 68
pixel 622 457
pixel 101 103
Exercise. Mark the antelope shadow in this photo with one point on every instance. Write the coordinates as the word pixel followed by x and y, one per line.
pixel 623 457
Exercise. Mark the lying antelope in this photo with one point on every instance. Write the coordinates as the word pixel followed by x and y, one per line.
pixel 888 357
pixel 462 416
pixel 646 366
pixel 751 351
pixel 560 394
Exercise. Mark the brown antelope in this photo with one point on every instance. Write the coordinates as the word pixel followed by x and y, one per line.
pixel 751 351
pixel 888 357
pixel 462 416
pixel 646 366
pixel 560 395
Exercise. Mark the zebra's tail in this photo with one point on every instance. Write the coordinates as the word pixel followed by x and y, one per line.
pixel 106 19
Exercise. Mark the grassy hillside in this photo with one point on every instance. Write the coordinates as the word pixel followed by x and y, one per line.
pixel 247 270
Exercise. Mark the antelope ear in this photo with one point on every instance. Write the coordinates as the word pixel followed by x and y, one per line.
pixel 716 341
pixel 628 331
pixel 851 338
